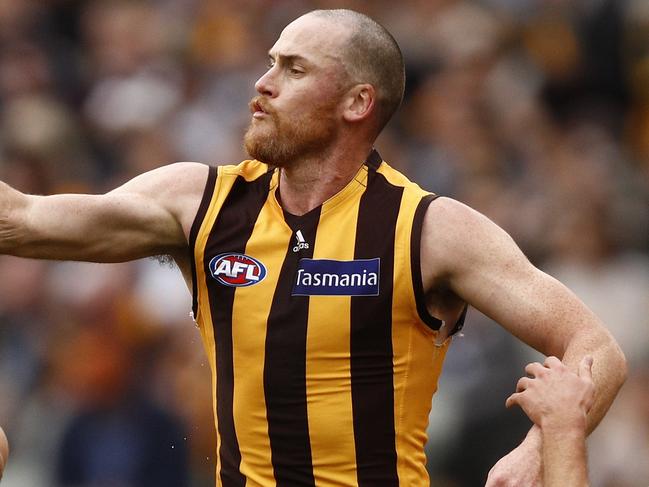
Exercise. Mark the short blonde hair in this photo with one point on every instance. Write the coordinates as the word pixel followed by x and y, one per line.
pixel 372 56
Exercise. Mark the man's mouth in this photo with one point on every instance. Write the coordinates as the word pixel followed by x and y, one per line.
pixel 257 109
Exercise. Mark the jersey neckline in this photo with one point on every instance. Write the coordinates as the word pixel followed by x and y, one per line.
pixel 357 184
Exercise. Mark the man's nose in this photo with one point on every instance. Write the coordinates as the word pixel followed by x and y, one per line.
pixel 266 85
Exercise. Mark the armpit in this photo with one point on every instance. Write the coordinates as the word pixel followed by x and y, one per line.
pixel 447 307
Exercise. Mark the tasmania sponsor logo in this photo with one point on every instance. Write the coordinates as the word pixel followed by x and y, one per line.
pixel 324 277
pixel 237 270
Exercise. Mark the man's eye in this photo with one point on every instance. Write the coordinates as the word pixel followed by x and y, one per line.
pixel 295 71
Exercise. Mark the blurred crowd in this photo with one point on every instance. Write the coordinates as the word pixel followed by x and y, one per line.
pixel 534 112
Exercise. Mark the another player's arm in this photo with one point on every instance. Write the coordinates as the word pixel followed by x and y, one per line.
pixel 478 261
pixel 149 215
pixel 4 451
pixel 557 400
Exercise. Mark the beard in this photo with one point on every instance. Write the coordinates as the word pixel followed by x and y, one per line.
pixel 279 142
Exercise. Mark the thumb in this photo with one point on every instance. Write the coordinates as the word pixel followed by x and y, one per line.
pixel 585 367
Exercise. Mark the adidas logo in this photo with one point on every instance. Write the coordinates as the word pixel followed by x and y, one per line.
pixel 302 244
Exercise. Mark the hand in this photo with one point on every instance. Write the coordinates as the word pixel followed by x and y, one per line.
pixel 4 451
pixel 554 396
pixel 521 467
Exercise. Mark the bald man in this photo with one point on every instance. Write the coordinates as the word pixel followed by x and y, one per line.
pixel 326 285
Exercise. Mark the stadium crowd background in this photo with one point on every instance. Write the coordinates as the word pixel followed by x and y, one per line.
pixel 535 112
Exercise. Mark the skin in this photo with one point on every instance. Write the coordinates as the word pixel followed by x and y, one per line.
pixel 558 400
pixel 4 451
pixel 152 214
pixel 491 273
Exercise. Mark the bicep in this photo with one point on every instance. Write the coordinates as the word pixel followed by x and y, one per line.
pixel 483 265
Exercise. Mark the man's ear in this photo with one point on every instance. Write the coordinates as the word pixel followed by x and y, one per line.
pixel 360 102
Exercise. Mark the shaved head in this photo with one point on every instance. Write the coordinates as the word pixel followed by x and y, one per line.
pixel 327 70
pixel 371 55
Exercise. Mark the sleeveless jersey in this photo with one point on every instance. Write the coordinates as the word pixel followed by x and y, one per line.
pixel 322 352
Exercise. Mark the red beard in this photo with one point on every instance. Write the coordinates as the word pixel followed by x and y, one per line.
pixel 279 141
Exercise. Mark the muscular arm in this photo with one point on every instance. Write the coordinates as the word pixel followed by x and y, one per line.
pixel 465 252
pixel 149 215
pixel 557 400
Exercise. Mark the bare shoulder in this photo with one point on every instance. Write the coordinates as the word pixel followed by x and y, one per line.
pixel 457 239
pixel 177 187
pixel 179 178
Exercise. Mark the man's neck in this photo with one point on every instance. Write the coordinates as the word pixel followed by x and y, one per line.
pixel 308 183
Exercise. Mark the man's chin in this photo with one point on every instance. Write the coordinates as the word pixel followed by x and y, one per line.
pixel 259 148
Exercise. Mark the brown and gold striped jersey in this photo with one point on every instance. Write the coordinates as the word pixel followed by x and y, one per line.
pixel 322 352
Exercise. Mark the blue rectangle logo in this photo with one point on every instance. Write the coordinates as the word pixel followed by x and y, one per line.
pixel 324 277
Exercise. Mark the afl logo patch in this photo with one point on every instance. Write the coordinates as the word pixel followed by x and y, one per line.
pixel 237 270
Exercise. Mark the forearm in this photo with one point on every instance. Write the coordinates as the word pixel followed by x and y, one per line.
pixel 564 456
pixel 609 369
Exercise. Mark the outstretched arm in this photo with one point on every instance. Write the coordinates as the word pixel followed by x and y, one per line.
pixel 467 253
pixel 149 215
pixel 557 400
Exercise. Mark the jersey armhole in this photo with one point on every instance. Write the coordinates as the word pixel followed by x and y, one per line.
pixel 415 264
pixel 208 193
pixel 415 269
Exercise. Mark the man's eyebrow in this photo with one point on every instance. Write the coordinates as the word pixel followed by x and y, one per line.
pixel 288 57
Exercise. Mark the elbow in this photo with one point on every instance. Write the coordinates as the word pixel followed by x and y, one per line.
pixel 13 215
pixel 618 366
pixel 623 366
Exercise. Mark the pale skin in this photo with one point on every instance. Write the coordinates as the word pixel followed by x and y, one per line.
pixel 465 258
pixel 558 400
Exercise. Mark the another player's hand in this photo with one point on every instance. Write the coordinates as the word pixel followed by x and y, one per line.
pixel 554 396
pixel 520 467
pixel 4 451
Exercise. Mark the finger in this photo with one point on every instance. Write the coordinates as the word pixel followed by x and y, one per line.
pixel 513 400
pixel 523 383
pixel 586 368
pixel 552 361
pixel 533 369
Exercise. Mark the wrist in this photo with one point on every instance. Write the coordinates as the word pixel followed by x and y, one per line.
pixel 533 443
pixel 575 425
pixel 534 436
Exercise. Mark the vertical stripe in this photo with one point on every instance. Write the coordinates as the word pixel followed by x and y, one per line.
pixel 285 369
pixel 193 233
pixel 413 337
pixel 328 368
pixel 252 304
pixel 414 352
pixel 198 240
pixel 371 339
pixel 230 233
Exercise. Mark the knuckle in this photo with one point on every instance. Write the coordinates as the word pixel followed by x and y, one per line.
pixel 496 478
